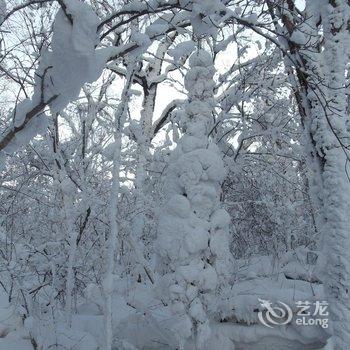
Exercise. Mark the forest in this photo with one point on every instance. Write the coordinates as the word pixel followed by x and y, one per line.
pixel 174 174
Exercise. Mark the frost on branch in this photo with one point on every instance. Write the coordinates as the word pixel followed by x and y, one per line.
pixel 62 72
pixel 205 15
pixel 73 60
pixel 193 241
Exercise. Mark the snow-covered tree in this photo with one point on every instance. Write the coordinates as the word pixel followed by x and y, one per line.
pixel 193 229
pixel 164 164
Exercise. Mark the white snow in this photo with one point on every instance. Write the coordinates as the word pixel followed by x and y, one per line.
pixel 182 49
pixel 192 216
pixel 73 58
pixel 156 29
pixel 18 344
pixel 9 318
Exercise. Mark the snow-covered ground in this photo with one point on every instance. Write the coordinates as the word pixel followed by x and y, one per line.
pixel 142 320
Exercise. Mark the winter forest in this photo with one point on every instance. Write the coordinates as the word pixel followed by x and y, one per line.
pixel 174 174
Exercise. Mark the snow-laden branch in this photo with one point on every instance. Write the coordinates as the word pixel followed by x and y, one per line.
pixel 29 116
pixel 164 118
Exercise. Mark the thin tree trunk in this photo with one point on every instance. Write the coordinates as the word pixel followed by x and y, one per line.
pixel 119 120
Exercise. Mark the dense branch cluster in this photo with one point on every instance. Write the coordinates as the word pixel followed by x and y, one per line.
pixel 165 165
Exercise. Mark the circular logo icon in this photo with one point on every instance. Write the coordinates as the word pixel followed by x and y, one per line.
pixel 276 315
